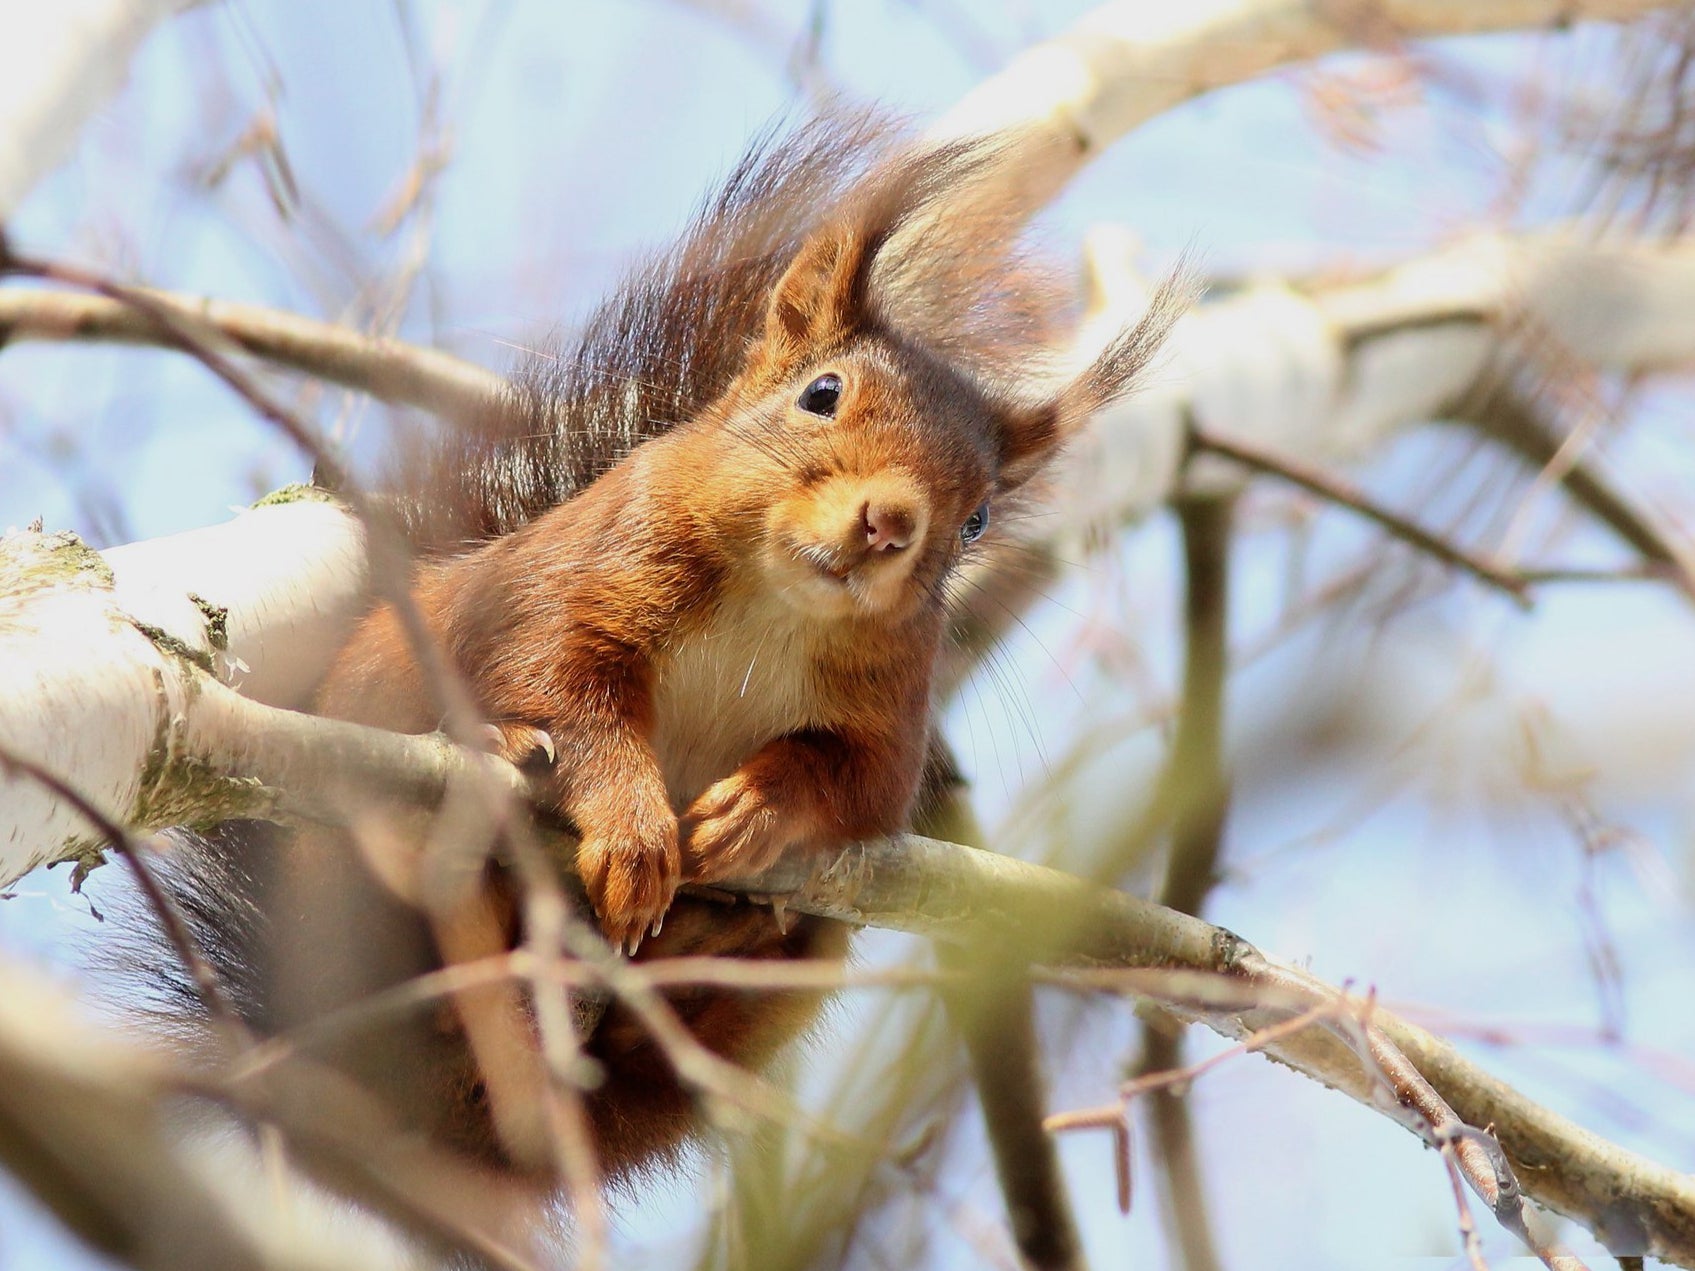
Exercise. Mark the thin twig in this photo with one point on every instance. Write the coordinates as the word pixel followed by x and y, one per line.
pixel 548 922
pixel 1115 1116
pixel 133 853
pixel 437 1223
pixel 523 964
pixel 1334 490
pixel 1478 1154
pixel 1469 1239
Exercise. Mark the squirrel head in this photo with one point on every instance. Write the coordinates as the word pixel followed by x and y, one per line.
pixel 861 457
pixel 838 248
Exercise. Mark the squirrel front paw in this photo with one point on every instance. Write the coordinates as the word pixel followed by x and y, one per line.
pixel 631 873
pixel 736 828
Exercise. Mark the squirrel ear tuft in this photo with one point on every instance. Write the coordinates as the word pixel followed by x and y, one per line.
pixel 819 299
pixel 1030 436
pixel 1028 439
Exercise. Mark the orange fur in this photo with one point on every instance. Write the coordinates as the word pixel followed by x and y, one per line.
pixel 729 636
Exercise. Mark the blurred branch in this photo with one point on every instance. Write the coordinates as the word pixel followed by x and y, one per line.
pixel 81 1125
pixel 1199 802
pixel 1637 142
pixel 1341 493
pixel 996 1015
pixel 1125 62
pixel 1515 419
pixel 1329 371
pixel 943 890
pixel 387 369
pixel 55 73
pixel 798 53
pixel 992 1004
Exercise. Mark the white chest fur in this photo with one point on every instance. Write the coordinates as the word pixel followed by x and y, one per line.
pixel 724 691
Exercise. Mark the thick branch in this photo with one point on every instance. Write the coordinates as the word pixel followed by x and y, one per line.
pixel 1123 63
pixel 65 64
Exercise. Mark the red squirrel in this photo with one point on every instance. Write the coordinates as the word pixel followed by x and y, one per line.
pixel 705 553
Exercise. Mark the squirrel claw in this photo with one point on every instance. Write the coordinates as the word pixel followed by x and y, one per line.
pixel 734 829
pixel 521 745
pixel 631 876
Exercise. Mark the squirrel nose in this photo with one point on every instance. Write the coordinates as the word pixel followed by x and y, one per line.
pixel 887 526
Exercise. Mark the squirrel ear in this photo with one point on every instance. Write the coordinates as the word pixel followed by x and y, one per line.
pixel 1029 438
pixel 818 300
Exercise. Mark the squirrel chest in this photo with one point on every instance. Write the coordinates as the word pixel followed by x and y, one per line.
pixel 740 678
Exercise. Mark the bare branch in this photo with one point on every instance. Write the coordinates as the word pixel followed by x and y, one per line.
pixel 1343 494
pixel 387 369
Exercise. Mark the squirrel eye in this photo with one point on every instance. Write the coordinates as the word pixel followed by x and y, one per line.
pixel 975 524
pixel 820 396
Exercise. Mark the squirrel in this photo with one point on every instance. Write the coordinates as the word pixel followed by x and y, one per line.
pixel 696 573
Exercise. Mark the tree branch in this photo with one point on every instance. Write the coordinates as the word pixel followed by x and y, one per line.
pixel 1125 62
pixel 946 891
pixel 387 369
pixel 1199 801
pixel 1343 494
pixel 51 84
pixel 992 1004
pixel 80 1124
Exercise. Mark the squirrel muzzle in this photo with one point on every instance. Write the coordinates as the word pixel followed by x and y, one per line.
pixel 851 543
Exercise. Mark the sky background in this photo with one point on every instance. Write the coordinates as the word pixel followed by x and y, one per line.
pixel 1414 853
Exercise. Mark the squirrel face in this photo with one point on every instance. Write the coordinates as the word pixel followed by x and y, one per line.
pixel 869 478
